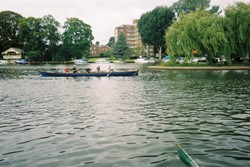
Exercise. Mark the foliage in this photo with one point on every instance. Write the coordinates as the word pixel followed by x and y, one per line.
pixel 31 31
pixel 94 59
pixel 187 6
pixel 97 43
pixel 152 26
pixel 9 31
pixel 77 38
pixel 64 53
pixel 35 55
pixel 111 42
pixel 40 36
pixel 201 31
pixel 121 49
pixel 107 53
pixel 215 9
pixel 52 35
pixel 238 29
pixel 129 61
pixel 112 58
pixel 139 51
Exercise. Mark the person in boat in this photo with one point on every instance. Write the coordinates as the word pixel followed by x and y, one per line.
pixel 98 69
pixel 74 69
pixel 110 69
pixel 88 70
pixel 67 69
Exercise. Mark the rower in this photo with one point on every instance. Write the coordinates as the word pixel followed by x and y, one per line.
pixel 74 69
pixel 98 69
pixel 88 70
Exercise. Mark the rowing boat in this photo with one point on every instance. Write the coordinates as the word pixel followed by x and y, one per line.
pixel 185 158
pixel 91 74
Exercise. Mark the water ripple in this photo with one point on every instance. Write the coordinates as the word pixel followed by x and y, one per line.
pixel 124 121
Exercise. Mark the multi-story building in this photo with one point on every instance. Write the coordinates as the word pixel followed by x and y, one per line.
pixel 133 38
pixel 96 50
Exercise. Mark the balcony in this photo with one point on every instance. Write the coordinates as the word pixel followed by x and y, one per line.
pixel 11 57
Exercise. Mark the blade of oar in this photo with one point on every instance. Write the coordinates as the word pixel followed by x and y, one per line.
pixel 185 158
pixel 109 73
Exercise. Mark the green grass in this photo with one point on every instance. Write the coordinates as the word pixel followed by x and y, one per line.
pixel 129 61
pixel 182 64
pixel 92 60
pixel 172 64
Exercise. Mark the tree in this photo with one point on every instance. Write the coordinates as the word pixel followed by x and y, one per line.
pixel 33 35
pixel 238 29
pixel 41 37
pixel 139 51
pixel 52 35
pixel 9 30
pixel 111 42
pixel 121 49
pixel 107 53
pixel 97 43
pixel 152 26
pixel 77 37
pixel 187 6
pixel 202 31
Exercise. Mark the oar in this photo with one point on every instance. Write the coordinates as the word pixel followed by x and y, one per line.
pixel 109 73
pixel 185 158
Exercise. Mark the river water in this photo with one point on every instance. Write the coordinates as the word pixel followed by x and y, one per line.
pixel 123 121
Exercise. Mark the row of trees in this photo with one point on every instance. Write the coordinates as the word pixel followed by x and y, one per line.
pixel 120 48
pixel 194 25
pixel 40 38
pixel 177 30
pixel 211 34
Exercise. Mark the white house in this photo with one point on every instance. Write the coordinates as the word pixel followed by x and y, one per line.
pixel 12 55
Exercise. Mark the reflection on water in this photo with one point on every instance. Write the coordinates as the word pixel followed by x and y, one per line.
pixel 124 121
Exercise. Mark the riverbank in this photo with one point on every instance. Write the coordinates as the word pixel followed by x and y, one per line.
pixel 199 68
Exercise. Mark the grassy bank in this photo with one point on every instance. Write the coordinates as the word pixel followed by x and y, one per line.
pixel 199 67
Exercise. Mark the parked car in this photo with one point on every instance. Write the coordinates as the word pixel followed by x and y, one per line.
pixel 180 60
pixel 144 60
pixel 166 58
pixel 217 60
pixel 199 60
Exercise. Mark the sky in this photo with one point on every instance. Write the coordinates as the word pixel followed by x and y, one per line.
pixel 103 16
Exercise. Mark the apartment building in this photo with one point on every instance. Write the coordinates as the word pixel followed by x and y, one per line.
pixel 96 50
pixel 133 38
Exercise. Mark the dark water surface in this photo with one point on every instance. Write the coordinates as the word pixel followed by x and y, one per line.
pixel 124 121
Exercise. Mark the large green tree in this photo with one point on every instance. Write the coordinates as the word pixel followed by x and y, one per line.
pixel 52 35
pixel 238 29
pixel 77 38
pixel 33 35
pixel 202 31
pixel 187 6
pixel 121 49
pixel 9 31
pixel 41 37
pixel 152 26
pixel 111 42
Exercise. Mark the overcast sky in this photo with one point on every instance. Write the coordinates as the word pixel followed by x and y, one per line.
pixel 103 16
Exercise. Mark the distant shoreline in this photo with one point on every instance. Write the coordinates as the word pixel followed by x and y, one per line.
pixel 199 68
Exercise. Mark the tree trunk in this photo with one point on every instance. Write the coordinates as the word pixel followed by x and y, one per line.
pixel 160 52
